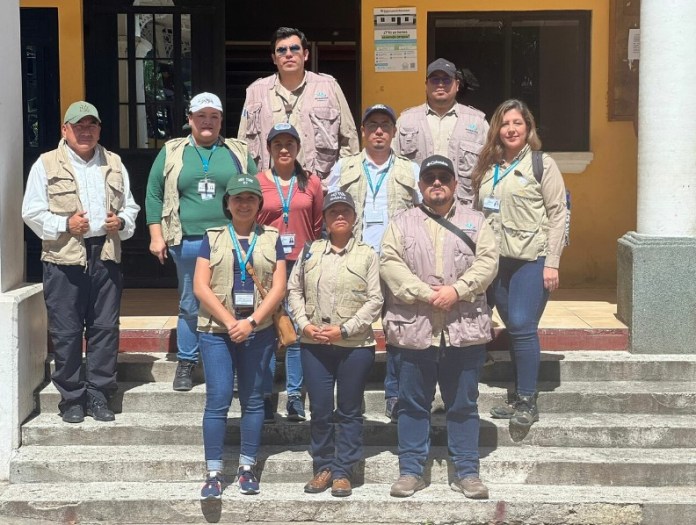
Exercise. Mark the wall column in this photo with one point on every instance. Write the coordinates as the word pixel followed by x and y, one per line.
pixel 656 283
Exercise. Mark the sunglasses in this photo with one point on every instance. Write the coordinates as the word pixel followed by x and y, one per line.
pixel 371 127
pixel 294 49
pixel 430 177
pixel 436 81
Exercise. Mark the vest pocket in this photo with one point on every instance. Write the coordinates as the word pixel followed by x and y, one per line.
pixel 253 129
pixel 116 189
pixel 406 327
pixel 408 142
pixel 470 323
pixel 466 161
pixel 326 124
pixel 62 194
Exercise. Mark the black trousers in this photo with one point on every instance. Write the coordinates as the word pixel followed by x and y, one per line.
pixel 84 302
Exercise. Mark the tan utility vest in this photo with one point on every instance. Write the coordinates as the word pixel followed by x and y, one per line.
pixel 173 164
pixel 350 291
pixel 319 116
pixel 466 142
pixel 521 225
pixel 64 200
pixel 401 186
pixel 410 325
pixel 222 258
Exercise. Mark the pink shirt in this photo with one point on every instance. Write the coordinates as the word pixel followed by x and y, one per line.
pixel 305 217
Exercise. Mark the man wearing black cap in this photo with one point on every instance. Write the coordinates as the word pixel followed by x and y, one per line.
pixel 78 201
pixel 443 127
pixel 437 261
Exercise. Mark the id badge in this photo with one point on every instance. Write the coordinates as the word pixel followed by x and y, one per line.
pixel 491 204
pixel 288 242
pixel 210 188
pixel 243 299
pixel 373 216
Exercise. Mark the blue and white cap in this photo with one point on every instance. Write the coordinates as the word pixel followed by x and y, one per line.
pixel 381 108
pixel 279 129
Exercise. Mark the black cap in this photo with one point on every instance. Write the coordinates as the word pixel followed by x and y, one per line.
pixel 336 197
pixel 279 129
pixel 437 161
pixel 442 65
pixel 379 108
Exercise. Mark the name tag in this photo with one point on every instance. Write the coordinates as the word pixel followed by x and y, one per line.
pixel 243 299
pixel 373 216
pixel 491 204
pixel 206 189
pixel 288 242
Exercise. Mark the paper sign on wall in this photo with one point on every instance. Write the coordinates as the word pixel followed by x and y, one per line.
pixel 395 39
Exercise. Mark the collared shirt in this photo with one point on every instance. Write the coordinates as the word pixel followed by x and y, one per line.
pixel 91 184
pixel 441 128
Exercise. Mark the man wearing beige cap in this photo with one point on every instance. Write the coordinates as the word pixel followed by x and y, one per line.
pixel 78 201
pixel 443 127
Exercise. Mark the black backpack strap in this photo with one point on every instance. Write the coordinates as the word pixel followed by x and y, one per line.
pixel 451 227
pixel 538 165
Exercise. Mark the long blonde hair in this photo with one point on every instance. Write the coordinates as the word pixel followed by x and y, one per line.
pixel 493 150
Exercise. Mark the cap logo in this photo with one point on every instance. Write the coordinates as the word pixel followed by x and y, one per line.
pixel 437 163
pixel 282 126
pixel 246 180
pixel 84 108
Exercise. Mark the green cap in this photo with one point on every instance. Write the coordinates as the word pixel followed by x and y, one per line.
pixel 241 183
pixel 79 110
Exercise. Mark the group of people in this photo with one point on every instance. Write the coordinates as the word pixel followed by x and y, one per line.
pixel 433 221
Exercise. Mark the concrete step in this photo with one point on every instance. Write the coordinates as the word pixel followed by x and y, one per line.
pixel 531 465
pixel 647 397
pixel 119 502
pixel 553 430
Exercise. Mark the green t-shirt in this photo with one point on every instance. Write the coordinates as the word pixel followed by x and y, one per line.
pixel 196 214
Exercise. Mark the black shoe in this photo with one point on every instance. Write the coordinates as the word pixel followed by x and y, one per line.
pixel 295 409
pixel 74 414
pixel 183 382
pixel 506 410
pixel 99 410
pixel 526 412
pixel 390 409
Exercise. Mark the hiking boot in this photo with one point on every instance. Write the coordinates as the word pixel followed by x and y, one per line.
pixel 213 487
pixel 98 409
pixel 268 412
pixel 74 413
pixel 526 411
pixel 406 486
pixel 390 409
pixel 248 483
pixel 295 408
pixel 472 487
pixel 507 410
pixel 319 483
pixel 340 488
pixel 183 382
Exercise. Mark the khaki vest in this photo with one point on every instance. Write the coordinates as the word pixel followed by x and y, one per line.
pixel 415 141
pixel 410 325
pixel 350 292
pixel 173 164
pixel 222 272
pixel 401 186
pixel 520 226
pixel 64 200
pixel 320 122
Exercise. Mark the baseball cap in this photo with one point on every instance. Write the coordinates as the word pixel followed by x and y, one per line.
pixel 336 197
pixel 242 183
pixel 442 65
pixel 381 108
pixel 79 110
pixel 437 161
pixel 279 129
pixel 205 100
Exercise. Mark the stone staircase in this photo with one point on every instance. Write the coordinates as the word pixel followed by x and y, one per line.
pixel 616 444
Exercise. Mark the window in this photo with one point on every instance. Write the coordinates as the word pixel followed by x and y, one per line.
pixel 540 57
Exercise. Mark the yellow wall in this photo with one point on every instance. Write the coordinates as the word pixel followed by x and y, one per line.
pixel 70 48
pixel 604 196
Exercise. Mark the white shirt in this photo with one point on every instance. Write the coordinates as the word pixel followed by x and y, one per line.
pixel 91 184
pixel 373 231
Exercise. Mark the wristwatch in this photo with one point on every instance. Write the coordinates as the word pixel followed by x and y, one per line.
pixel 252 321
pixel 344 332
pixel 123 224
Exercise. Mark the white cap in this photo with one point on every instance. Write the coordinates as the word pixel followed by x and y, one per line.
pixel 205 100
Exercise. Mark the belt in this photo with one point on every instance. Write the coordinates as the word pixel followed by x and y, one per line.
pixel 95 241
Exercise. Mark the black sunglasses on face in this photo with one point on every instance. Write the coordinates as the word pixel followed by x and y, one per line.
pixel 436 81
pixel 430 178
pixel 294 49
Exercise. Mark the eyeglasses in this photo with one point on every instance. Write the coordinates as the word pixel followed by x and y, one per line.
pixel 283 50
pixel 436 81
pixel 443 176
pixel 387 127
pixel 84 127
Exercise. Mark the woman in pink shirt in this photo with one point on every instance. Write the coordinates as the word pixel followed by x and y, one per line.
pixel 292 202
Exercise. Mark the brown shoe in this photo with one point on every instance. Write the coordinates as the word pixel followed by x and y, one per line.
pixel 341 488
pixel 472 488
pixel 406 486
pixel 319 483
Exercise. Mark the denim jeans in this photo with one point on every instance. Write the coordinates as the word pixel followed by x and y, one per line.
pixel 336 439
pixel 391 379
pixel 457 371
pixel 221 358
pixel 185 255
pixel 520 297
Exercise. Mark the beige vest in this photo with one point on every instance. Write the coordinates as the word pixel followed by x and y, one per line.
pixel 64 200
pixel 401 186
pixel 320 122
pixel 174 162
pixel 222 272
pixel 350 292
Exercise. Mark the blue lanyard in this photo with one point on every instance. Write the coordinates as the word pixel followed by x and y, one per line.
pixel 205 162
pixel 497 179
pixel 285 203
pixel 373 189
pixel 238 249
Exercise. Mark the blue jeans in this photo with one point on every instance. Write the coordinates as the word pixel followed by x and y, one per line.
pixel 185 255
pixel 391 379
pixel 338 445
pixel 520 297
pixel 221 357
pixel 457 371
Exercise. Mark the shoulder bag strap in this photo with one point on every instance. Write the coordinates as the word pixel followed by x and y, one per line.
pixel 451 227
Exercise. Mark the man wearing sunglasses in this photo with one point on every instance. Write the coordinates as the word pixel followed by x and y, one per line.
pixel 313 103
pixel 442 126
pixel 437 261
